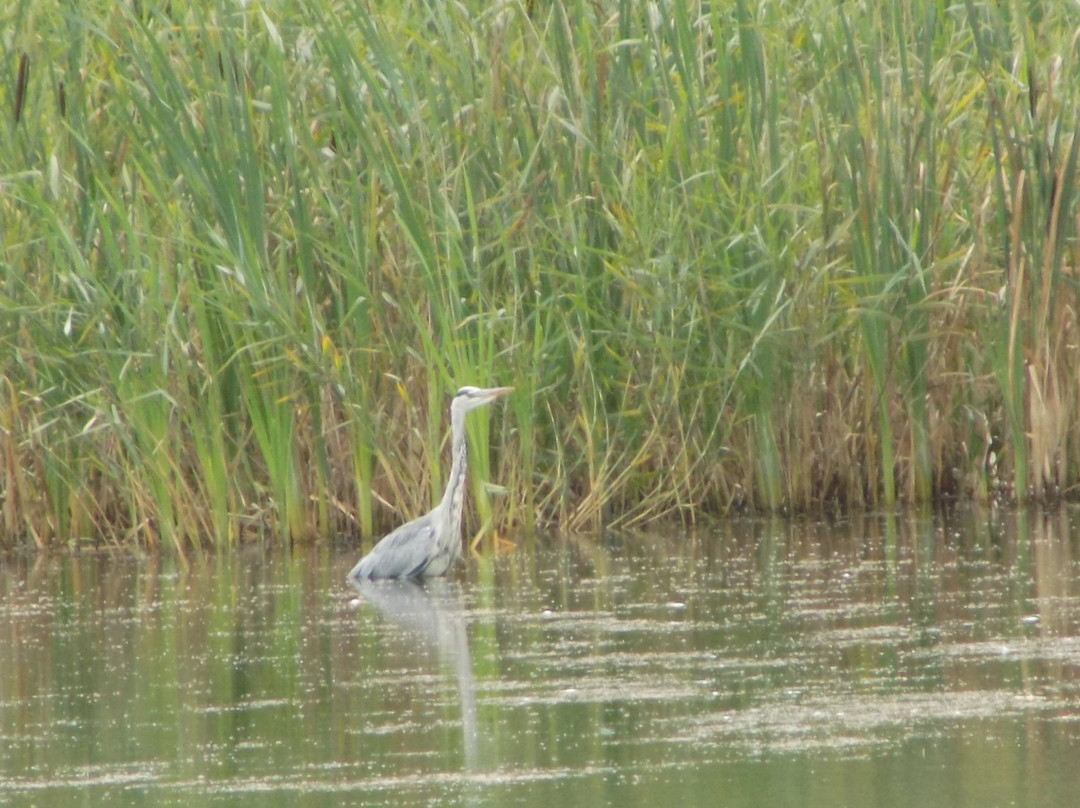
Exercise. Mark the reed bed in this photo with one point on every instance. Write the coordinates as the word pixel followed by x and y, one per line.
pixel 743 255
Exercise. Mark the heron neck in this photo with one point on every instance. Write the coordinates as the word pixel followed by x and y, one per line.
pixel 453 499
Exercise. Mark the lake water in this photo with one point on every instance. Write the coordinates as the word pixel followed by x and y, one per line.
pixel 886 661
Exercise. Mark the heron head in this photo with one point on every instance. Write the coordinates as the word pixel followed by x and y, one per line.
pixel 469 398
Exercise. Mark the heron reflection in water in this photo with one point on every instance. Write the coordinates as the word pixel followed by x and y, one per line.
pixel 432 612
pixel 426 547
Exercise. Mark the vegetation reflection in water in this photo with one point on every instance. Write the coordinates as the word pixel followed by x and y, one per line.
pixel 888 661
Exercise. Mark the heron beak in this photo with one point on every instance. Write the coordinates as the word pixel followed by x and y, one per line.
pixel 495 392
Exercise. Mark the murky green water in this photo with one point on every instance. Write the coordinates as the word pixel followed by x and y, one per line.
pixel 886 662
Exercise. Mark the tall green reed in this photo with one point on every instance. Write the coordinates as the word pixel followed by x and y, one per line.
pixel 1032 127
pixel 741 256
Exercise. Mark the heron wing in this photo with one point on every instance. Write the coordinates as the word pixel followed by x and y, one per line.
pixel 402 553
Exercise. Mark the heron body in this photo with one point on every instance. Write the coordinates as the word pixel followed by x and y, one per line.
pixel 427 546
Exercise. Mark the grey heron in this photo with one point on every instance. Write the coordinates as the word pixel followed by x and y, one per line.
pixel 426 547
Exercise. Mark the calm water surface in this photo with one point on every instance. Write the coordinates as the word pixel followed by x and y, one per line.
pixel 890 661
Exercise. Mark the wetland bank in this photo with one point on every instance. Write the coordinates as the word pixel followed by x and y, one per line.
pixel 748 255
pixel 894 661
